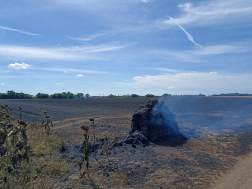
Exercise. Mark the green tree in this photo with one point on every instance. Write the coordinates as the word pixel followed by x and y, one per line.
pixel 11 94
pixel 42 95
pixel 80 94
pixel 166 95
pixel 134 96
pixel 111 96
pixel 87 95
pixel 149 95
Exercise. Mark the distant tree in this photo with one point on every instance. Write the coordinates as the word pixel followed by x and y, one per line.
pixel 57 96
pixel 11 94
pixel 80 94
pixel 166 95
pixel 134 96
pixel 87 95
pixel 42 95
pixel 3 96
pixel 149 95
pixel 111 96
pixel 70 95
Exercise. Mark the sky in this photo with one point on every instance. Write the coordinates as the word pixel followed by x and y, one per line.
pixel 126 46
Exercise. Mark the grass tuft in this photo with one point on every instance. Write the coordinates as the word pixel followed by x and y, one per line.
pixel 45 144
pixel 53 165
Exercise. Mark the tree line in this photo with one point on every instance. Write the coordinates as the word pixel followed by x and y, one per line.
pixel 68 95
pixel 64 95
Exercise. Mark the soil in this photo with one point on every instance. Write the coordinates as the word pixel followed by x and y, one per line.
pixel 239 177
pixel 218 130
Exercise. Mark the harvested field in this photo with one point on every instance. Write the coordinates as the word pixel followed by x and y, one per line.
pixel 64 109
pixel 219 132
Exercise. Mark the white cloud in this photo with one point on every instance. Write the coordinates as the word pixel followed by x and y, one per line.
pixel 104 48
pixel 66 70
pixel 2 83
pixel 171 87
pixel 213 12
pixel 88 38
pixel 60 83
pixel 146 1
pixel 137 77
pixel 196 55
pixel 195 82
pixel 190 38
pixel 80 75
pixel 212 73
pixel 59 53
pixel 19 66
pixel 167 70
pixel 16 30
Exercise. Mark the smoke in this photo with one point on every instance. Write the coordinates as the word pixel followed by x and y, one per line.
pixel 197 116
pixel 161 115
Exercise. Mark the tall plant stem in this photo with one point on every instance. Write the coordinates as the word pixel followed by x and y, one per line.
pixel 94 141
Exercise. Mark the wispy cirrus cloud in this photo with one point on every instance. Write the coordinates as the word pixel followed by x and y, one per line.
pixel 212 12
pixel 60 83
pixel 16 30
pixel 80 75
pixel 197 55
pixel 59 53
pixel 67 70
pixel 190 38
pixel 167 70
pixel 147 1
pixel 88 38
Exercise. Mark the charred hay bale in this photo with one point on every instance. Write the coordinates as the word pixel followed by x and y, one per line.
pixel 155 120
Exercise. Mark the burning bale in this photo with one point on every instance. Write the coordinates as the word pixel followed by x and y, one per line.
pixel 153 121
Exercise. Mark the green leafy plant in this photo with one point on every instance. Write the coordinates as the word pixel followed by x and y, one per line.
pixel 14 147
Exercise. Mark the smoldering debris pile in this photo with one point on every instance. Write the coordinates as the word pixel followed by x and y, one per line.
pixel 151 122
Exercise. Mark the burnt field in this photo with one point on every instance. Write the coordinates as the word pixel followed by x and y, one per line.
pixel 218 132
pixel 65 109
pixel 217 114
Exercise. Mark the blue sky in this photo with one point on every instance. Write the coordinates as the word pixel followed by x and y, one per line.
pixel 126 46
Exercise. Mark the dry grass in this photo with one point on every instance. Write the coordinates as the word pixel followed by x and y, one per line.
pixel 54 165
pixel 161 177
pixel 41 143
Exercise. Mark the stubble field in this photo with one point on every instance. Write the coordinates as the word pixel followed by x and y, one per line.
pixel 218 131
